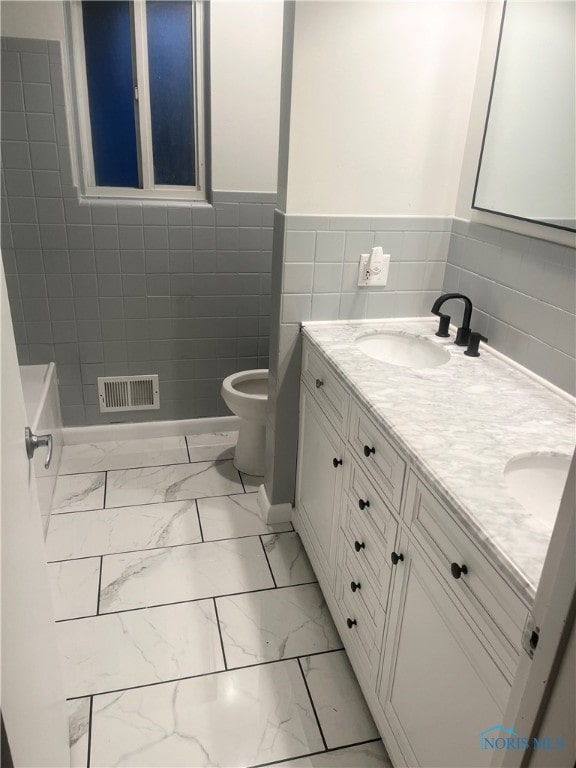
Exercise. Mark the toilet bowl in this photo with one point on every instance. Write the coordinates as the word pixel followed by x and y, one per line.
pixel 246 394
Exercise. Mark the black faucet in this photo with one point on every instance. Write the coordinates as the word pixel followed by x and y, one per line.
pixel 463 333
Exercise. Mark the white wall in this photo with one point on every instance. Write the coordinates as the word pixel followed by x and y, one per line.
pixel 29 18
pixel 381 97
pixel 246 47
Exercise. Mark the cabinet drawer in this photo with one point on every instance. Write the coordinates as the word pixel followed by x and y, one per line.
pixel 368 504
pixel 377 455
pixel 352 608
pixel 368 547
pixel 482 588
pixel 325 387
pixel 354 572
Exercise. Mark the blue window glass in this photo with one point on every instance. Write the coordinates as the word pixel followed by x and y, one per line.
pixel 170 52
pixel 107 41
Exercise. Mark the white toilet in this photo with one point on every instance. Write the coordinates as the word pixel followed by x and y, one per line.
pixel 246 394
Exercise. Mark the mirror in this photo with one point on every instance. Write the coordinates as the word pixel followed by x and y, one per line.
pixel 527 166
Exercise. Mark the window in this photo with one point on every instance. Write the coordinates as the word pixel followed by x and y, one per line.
pixel 138 72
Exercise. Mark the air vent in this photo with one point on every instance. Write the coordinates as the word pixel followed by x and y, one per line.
pixel 128 393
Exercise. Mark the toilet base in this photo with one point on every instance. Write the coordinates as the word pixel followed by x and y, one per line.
pixel 249 454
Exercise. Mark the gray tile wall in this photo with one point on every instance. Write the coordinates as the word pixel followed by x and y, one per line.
pixel 524 294
pixel 314 277
pixel 117 287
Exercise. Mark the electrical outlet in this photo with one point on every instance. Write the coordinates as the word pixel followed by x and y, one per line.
pixel 378 274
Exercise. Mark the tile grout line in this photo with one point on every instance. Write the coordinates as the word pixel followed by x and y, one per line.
pixel 105 489
pixel 166 546
pixel 142 466
pixel 191 600
pixel 220 634
pixel 314 754
pixel 202 674
pixel 241 480
pixel 99 589
pixel 268 561
pixel 148 503
pixel 199 524
pixel 312 703
pixel 89 732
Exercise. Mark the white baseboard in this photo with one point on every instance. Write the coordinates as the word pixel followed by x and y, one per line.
pixel 101 433
pixel 273 513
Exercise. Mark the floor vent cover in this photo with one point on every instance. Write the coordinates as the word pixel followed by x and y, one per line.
pixel 128 393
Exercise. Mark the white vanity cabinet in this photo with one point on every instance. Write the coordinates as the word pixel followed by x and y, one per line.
pixel 432 629
pixel 439 686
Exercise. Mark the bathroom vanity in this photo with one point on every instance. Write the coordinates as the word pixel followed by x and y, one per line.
pixel 428 564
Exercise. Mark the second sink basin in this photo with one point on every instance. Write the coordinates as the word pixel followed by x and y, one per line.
pixel 537 481
pixel 403 349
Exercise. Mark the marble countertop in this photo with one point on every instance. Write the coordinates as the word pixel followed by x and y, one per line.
pixel 460 423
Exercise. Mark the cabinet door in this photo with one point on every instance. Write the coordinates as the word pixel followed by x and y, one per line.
pixel 439 687
pixel 319 483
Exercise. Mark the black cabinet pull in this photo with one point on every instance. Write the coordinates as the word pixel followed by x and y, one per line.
pixel 319 383
pixel 368 450
pixel 336 463
pixel 363 504
pixel 395 557
pixel 351 623
pixel 355 585
pixel 457 570
pixel 358 546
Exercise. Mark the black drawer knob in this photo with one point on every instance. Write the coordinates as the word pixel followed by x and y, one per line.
pixel 395 557
pixel 457 570
pixel 319 383
pixel 363 504
pixel 359 545
pixel 354 585
pixel 368 450
pixel 351 623
pixel 336 462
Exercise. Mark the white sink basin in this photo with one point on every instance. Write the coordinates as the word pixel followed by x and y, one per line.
pixel 537 481
pixel 403 349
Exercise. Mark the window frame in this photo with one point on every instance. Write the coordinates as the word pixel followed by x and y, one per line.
pixel 149 190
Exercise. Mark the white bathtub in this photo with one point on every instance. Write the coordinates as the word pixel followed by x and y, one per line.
pixel 40 385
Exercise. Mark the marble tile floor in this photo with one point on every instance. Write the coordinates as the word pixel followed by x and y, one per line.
pixel 192 633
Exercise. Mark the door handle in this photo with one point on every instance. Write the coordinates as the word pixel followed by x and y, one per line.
pixel 36 441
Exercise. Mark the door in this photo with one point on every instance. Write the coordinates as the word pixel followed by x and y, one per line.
pixel 33 705
pixel 319 481
pixel 439 683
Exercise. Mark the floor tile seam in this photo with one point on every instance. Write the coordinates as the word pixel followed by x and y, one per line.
pixel 98 593
pixel 203 674
pixel 165 501
pixel 169 546
pixel 191 600
pixel 148 503
pixel 241 480
pixel 133 610
pixel 184 462
pixel 312 704
pixel 313 754
pixel 220 634
pixel 89 747
pixel 268 561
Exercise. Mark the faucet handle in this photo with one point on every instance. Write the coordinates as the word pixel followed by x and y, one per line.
pixel 443 326
pixel 474 343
